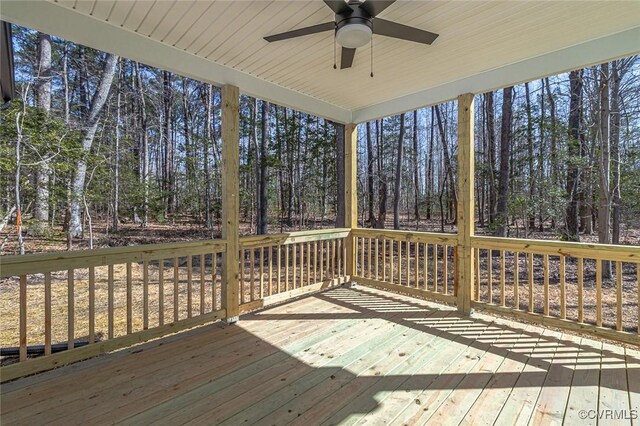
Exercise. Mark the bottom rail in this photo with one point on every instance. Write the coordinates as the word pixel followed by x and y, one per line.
pixel 409 291
pixel 287 296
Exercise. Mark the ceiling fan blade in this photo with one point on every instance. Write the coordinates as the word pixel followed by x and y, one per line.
pixel 327 26
pixel 404 32
pixel 338 6
pixel 346 58
pixel 374 7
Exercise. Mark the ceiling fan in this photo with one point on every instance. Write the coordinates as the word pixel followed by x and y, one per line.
pixel 354 25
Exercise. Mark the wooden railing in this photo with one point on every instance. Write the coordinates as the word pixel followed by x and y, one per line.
pixel 561 284
pixel 417 263
pixel 277 267
pixel 111 298
pixel 104 299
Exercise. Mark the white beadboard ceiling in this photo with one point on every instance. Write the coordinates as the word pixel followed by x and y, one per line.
pixel 483 45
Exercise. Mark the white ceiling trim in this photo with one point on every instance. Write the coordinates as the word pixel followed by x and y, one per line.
pixel 623 44
pixel 52 19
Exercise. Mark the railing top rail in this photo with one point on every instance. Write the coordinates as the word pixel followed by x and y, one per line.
pixel 293 237
pixel 59 261
pixel 557 248
pixel 414 236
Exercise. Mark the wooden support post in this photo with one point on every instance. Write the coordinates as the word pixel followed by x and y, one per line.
pixel 350 192
pixel 466 218
pixel 230 201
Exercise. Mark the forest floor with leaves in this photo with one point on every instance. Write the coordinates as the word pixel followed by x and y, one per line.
pixel 185 229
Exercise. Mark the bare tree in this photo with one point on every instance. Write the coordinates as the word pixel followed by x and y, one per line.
pixel 505 154
pixel 43 101
pixel 88 132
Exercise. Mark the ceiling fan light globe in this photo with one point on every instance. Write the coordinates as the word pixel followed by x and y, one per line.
pixel 353 35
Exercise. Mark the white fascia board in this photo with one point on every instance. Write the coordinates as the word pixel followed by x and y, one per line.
pixel 619 45
pixel 56 20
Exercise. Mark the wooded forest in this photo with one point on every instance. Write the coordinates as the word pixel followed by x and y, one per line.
pixel 100 150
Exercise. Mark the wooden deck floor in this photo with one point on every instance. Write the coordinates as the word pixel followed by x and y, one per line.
pixel 345 356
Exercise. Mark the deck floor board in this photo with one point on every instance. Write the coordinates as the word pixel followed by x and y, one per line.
pixel 343 356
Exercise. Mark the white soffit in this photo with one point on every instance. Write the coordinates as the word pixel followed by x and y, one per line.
pixel 483 45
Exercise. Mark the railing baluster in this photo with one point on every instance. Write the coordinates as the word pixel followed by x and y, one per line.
pixel 477 274
pixel 252 272
pixel 23 317
pixel 530 279
pixel 391 261
pixel 563 288
pixel 416 265
pixel 214 279
pixel 202 281
pixel 145 295
pixel 297 273
pixel 286 268
pixel 490 275
pixel 580 286
pixel 435 268
pixel 516 280
pixel 279 267
pixel 362 269
pixel 399 262
pixel 129 300
pixel 189 286
pixel 308 259
pixel 176 288
pixel 261 292
pixel 270 285
pixel 110 300
pixel 445 269
pixel 70 309
pixel 47 313
pixel 598 292
pixel 545 267
pixel 619 296
pixel 92 304
pixel 638 296
pixel 384 259
pixel 376 261
pixel 161 292
pixel 369 259
pixel 425 263
pixel 333 258
pixel 502 279
pixel 315 261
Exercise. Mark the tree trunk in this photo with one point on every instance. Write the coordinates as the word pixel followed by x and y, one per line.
pixel 604 208
pixel 532 178
pixel 416 173
pixel 167 164
pixel 448 166
pixel 430 166
pixel 205 149
pixel 40 223
pixel 88 132
pixel 372 215
pixel 617 71
pixel 115 219
pixel 397 183
pixel 505 153
pixel 491 159
pixel 573 154
pixel 264 177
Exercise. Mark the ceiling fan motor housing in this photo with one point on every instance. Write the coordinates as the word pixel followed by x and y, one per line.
pixel 354 29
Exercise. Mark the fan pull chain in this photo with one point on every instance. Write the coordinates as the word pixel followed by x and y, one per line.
pixel 371 56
